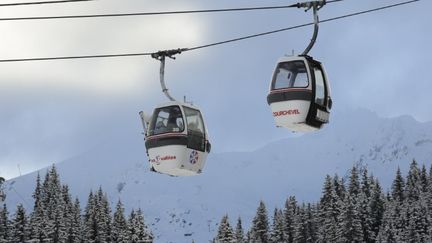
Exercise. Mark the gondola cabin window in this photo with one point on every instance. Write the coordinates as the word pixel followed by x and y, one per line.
pixel 319 86
pixel 194 120
pixel 166 120
pixel 290 75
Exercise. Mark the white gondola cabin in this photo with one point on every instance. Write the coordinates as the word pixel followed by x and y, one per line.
pixel 300 94
pixel 176 139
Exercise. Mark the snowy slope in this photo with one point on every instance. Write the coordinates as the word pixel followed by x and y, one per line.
pixel 182 209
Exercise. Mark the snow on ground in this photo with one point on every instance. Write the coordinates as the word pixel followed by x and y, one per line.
pixel 182 209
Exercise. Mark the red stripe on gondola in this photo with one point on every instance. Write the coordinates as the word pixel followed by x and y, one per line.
pixel 289 90
pixel 166 135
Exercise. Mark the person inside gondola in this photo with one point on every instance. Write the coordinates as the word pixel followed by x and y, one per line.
pixel 175 121
pixel 160 127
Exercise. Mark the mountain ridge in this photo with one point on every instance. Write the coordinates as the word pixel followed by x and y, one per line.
pixel 182 209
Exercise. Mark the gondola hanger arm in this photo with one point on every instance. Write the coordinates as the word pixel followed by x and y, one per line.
pixel 161 55
pixel 315 6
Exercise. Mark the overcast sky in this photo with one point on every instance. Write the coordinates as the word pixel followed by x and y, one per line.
pixel 54 110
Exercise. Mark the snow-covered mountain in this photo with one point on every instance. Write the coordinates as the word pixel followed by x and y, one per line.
pixel 182 209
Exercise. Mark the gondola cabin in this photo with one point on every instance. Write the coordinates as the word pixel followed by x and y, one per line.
pixel 300 94
pixel 176 139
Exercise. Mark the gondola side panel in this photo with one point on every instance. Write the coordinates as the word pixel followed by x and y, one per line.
pixel 292 115
pixel 177 160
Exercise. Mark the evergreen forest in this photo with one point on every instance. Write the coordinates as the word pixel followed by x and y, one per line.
pixel 56 218
pixel 351 209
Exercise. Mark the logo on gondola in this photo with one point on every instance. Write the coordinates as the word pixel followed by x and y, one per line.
pixel 193 157
pixel 286 112
pixel 158 159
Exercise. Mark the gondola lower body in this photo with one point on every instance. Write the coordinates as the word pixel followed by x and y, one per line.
pixel 292 114
pixel 177 160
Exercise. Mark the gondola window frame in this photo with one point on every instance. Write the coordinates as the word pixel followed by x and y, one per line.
pixel 155 116
pixel 293 80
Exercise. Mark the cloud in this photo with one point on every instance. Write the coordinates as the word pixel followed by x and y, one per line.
pixel 87 37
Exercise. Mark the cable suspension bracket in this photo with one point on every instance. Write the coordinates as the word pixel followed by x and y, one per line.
pixel 161 55
pixel 315 6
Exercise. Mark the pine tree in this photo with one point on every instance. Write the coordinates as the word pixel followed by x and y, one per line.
pixel 225 232
pixel 365 217
pixel 301 226
pixel 90 230
pixel 145 234
pixel 97 218
pixel 37 194
pixel 48 222
pixel 328 212
pixel 394 223
pixel 366 183
pixel 239 233
pixel 260 225
pixel 365 210
pixel 339 187
pixel 349 220
pixel 417 229
pixel 103 217
pixel 277 234
pixel 399 211
pixel 75 234
pixel 2 193
pixel 350 229
pixel 57 214
pixel 389 231
pixel 5 226
pixel 430 175
pixel 120 227
pixel 249 236
pixel 413 184
pixel 133 236
pixel 39 218
pixel 424 179
pixel 354 183
pixel 138 232
pixel 429 200
pixel 377 202
pixel 398 187
pixel 305 224
pixel 20 227
pixel 312 227
pixel 415 208
pixel 68 213
pixel 290 212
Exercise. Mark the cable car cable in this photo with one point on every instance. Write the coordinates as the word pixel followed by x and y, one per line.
pixel 40 3
pixel 301 25
pixel 76 57
pixel 156 13
pixel 207 45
